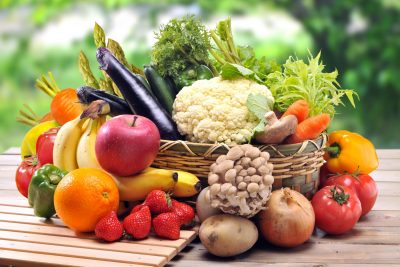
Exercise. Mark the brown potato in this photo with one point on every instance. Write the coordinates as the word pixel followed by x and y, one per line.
pixel 227 235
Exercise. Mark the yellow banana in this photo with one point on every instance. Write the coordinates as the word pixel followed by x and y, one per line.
pixel 188 185
pixel 85 153
pixel 137 187
pixel 28 146
pixel 66 143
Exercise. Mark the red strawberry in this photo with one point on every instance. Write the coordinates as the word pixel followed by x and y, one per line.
pixel 158 202
pixel 138 224
pixel 167 225
pixel 137 208
pixel 184 211
pixel 109 227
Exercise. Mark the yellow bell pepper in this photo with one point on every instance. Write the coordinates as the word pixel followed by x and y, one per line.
pixel 350 152
pixel 28 146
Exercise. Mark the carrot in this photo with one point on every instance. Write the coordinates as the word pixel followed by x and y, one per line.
pixel 310 128
pixel 300 109
pixel 65 106
pixel 47 117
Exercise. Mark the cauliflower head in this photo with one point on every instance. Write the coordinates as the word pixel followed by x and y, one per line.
pixel 215 111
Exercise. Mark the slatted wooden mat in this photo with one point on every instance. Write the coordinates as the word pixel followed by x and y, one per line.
pixel 27 240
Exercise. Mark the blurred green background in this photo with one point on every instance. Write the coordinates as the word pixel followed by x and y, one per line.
pixel 359 38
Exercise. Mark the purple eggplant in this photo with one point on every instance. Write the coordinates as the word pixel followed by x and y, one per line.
pixel 139 98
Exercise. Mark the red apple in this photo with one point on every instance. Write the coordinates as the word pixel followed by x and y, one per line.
pixel 127 144
pixel 44 146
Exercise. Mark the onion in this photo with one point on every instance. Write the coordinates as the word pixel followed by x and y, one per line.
pixel 288 220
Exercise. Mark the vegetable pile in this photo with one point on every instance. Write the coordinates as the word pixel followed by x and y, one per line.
pixel 99 141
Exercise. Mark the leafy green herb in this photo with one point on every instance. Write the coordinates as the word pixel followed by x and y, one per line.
pixel 299 80
pixel 181 44
pixel 232 71
pixel 259 105
pixel 238 61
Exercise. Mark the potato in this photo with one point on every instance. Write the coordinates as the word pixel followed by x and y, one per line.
pixel 227 235
pixel 203 207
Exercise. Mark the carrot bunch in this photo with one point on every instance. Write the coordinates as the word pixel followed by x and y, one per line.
pixel 308 127
pixel 65 105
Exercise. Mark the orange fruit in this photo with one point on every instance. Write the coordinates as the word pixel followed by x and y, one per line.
pixel 84 196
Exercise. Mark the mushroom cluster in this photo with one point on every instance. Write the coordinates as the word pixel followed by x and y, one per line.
pixel 241 181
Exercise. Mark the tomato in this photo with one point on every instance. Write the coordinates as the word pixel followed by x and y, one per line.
pixel 44 146
pixel 337 209
pixel 364 186
pixel 24 174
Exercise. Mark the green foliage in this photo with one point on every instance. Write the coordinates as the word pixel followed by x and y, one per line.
pixel 181 43
pixel 300 80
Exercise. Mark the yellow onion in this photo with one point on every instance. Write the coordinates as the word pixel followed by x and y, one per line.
pixel 288 220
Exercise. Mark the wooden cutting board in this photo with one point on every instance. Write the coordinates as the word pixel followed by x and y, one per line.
pixel 27 240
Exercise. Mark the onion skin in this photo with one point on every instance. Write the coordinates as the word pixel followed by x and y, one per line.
pixel 288 220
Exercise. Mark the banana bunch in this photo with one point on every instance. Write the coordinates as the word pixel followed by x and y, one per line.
pixel 74 146
pixel 179 183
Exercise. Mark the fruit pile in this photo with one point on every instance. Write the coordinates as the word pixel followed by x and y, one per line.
pixel 91 155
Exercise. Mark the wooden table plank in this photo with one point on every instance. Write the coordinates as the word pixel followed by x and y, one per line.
pixel 29 259
pixel 88 243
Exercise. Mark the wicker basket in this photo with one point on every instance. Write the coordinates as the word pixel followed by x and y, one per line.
pixel 295 165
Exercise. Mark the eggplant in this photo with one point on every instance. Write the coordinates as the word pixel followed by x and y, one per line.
pixel 118 106
pixel 138 97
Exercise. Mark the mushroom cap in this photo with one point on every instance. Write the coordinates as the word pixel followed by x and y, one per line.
pixel 276 132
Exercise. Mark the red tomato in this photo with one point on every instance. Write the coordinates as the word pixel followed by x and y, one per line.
pixel 24 174
pixel 364 186
pixel 44 146
pixel 337 209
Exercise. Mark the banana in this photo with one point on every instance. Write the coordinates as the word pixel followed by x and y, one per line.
pixel 85 153
pixel 135 188
pixel 188 185
pixel 66 143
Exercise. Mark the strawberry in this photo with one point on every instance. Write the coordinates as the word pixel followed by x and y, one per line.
pixel 137 208
pixel 109 228
pixel 167 225
pixel 138 224
pixel 184 211
pixel 158 202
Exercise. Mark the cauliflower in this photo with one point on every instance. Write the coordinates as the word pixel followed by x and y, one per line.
pixel 215 111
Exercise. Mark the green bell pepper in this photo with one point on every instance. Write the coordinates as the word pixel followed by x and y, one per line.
pixel 190 75
pixel 41 190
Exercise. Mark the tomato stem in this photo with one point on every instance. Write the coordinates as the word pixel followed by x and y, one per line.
pixel 339 197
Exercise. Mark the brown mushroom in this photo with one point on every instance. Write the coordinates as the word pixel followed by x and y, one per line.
pixel 277 130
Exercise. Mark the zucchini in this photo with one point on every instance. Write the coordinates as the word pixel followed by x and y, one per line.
pixel 160 88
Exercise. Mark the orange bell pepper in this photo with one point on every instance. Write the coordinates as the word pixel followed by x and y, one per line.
pixel 350 152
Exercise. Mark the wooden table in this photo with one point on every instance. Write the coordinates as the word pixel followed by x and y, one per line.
pixel 374 241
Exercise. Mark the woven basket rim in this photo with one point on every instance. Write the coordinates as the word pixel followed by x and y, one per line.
pixel 280 150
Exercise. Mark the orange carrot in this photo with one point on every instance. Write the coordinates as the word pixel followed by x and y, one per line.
pixel 300 109
pixel 65 106
pixel 310 128
pixel 47 117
